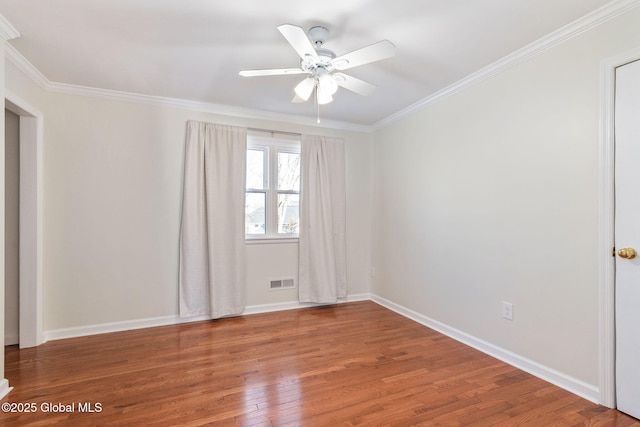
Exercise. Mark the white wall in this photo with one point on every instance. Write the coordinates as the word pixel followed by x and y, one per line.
pixel 491 195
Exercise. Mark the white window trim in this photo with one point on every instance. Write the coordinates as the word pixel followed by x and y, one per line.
pixel 262 240
pixel 271 146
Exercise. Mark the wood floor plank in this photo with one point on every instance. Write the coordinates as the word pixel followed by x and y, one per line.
pixel 354 364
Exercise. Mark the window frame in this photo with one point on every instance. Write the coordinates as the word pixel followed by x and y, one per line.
pixel 271 146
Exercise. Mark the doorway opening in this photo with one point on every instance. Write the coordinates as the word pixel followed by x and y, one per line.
pixel 29 255
pixel 11 228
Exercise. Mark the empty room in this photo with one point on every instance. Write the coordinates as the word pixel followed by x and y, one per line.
pixel 296 213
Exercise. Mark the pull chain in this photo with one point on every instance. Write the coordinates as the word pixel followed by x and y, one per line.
pixel 317 105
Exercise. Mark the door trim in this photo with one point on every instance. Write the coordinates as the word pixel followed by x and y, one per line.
pixel 607 225
pixel 31 249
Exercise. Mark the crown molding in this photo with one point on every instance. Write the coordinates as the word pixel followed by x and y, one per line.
pixel 579 26
pixel 26 67
pixel 7 31
pixel 12 55
pixel 199 106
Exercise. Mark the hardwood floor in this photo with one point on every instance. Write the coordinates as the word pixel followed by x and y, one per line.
pixel 349 364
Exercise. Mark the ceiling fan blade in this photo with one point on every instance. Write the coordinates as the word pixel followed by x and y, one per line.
pixel 375 52
pixel 271 72
pixel 353 84
pixel 298 39
pixel 304 89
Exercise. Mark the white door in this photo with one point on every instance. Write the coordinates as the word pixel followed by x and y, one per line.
pixel 627 237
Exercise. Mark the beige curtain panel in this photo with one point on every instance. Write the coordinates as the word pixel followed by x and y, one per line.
pixel 212 249
pixel 322 245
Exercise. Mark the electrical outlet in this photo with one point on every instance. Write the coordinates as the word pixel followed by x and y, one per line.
pixel 507 310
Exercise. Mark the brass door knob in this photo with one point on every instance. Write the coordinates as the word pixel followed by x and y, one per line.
pixel 627 253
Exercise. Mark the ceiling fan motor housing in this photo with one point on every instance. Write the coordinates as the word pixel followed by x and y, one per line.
pixel 318 35
pixel 325 57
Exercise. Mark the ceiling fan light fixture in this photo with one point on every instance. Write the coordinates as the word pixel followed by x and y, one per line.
pixel 328 83
pixel 323 96
pixel 304 89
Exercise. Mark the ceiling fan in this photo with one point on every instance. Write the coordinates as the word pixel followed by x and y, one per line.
pixel 322 65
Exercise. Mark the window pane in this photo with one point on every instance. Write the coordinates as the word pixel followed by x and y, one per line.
pixel 254 208
pixel 255 169
pixel 288 213
pixel 289 171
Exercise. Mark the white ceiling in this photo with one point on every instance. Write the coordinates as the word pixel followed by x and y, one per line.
pixel 193 49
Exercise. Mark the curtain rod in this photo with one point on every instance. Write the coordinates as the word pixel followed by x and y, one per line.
pixel 274 131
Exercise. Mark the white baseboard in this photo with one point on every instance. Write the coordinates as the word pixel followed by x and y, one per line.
pixel 4 388
pixel 573 385
pixel 294 305
pixel 127 325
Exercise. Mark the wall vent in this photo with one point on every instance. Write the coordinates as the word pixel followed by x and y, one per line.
pixel 281 284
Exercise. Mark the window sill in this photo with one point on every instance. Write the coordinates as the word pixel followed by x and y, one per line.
pixel 269 240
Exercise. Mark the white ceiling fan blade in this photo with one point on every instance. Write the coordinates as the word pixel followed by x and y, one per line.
pixel 375 52
pixel 304 89
pixel 298 39
pixel 271 72
pixel 353 84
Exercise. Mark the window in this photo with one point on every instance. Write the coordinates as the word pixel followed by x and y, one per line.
pixel 273 188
